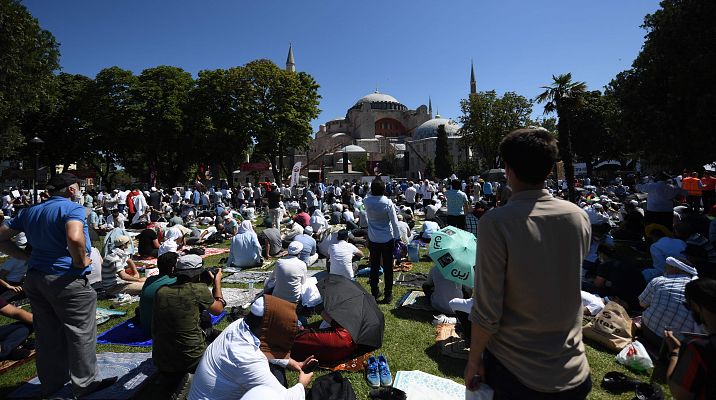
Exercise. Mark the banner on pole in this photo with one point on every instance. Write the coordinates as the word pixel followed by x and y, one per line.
pixel 295 174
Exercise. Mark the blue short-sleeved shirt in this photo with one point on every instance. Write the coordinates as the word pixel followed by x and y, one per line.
pixel 456 199
pixel 44 226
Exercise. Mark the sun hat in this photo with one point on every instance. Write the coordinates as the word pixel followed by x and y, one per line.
pixel 122 241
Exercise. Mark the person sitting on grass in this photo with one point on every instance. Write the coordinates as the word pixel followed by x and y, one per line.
pixel 253 352
pixel 294 229
pixel 308 254
pixel 287 279
pixel 173 241
pixel 165 264
pixel 331 343
pixel 245 250
pixel 12 336
pixel 12 275
pixel 344 256
pixel 691 366
pixel 270 239
pixel 663 301
pixel 626 280
pixel 302 217
pixel 119 273
pixel 441 290
pixel 178 334
pixel 148 242
pixel 662 247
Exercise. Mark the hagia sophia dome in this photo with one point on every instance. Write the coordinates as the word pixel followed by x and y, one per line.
pixel 429 128
pixel 380 101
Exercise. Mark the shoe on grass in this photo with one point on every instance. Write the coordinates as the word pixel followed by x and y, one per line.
pixel 371 372
pixel 386 378
pixel 444 319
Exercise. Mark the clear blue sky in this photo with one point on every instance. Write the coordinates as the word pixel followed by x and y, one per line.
pixel 408 49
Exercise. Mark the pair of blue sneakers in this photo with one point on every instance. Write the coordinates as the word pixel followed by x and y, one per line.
pixel 378 373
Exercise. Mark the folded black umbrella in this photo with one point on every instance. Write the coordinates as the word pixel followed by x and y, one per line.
pixel 348 304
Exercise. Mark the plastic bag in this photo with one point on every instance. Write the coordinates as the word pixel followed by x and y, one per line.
pixel 635 356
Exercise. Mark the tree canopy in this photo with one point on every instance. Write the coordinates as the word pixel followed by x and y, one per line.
pixel 443 160
pixel 667 99
pixel 28 58
pixel 487 118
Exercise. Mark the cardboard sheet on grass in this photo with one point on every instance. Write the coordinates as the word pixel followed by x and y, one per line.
pixel 416 300
pixel 419 385
pixel 449 343
pixel 129 334
pixel 133 370
pixel 236 297
pixel 209 251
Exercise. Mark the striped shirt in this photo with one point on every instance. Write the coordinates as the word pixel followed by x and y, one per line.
pixel 664 298
pixel 111 265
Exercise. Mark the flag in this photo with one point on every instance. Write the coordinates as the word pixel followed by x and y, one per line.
pixel 295 174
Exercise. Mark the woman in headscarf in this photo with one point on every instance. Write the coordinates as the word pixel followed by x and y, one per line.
pixel 245 251
pixel 173 240
pixel 318 221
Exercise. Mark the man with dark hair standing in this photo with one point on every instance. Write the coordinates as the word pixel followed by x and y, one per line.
pixel 62 300
pixel 527 312
pixel 382 232
pixel 457 205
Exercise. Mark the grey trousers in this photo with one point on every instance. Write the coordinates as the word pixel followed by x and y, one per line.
pixel 64 317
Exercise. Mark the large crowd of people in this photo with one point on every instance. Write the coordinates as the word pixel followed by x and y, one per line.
pixel 643 242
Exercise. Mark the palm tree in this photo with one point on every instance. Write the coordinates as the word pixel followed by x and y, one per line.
pixel 563 96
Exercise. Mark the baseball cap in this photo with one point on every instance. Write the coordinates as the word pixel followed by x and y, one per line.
pixel 61 181
pixel 122 241
pixel 295 247
pixel 189 265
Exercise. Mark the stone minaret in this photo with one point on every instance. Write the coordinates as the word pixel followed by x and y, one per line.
pixel 290 63
pixel 473 83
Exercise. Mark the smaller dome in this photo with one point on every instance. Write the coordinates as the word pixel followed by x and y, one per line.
pixel 430 128
pixel 339 134
pixel 351 148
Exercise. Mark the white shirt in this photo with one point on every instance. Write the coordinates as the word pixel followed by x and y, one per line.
pixel 341 256
pixel 348 216
pixel 287 279
pixel 122 196
pixel 233 364
pixel 410 194
pixel 404 231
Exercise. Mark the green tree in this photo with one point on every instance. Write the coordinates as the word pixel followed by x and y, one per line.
pixel 666 99
pixel 162 146
pixel 487 118
pixel 112 117
pixel 429 169
pixel 443 161
pixel 283 105
pixel 28 57
pixel 563 97
pixel 221 116
pixel 591 137
pixel 61 121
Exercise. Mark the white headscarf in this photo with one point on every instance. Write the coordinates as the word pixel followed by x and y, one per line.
pixel 245 227
pixel 170 245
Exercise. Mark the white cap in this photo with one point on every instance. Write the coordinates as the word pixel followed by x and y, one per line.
pixel 308 229
pixel 676 263
pixel 295 247
pixel 257 308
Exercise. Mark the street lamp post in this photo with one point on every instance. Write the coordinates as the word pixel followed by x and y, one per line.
pixel 36 143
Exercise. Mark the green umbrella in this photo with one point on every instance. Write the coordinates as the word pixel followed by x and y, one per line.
pixel 454 252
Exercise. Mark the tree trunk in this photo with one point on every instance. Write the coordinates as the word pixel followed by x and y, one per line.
pixel 280 158
pixel 565 150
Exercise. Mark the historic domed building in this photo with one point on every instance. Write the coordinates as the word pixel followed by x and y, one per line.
pixel 379 126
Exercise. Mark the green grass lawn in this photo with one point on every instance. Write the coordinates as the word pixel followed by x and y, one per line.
pixel 409 344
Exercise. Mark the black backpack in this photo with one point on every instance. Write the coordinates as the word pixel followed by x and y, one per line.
pixel 331 387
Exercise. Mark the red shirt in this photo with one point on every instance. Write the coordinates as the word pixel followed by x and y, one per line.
pixel 302 219
pixel 709 183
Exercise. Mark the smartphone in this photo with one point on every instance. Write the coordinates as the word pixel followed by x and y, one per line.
pixel 310 366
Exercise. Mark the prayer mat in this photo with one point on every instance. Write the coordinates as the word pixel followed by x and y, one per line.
pixel 236 297
pixel 10 364
pixel 403 267
pixel 129 334
pixel 419 385
pixel 208 251
pixel 355 365
pixel 247 277
pixel 449 342
pixel 416 300
pixel 413 280
pixel 133 370
pixel 103 315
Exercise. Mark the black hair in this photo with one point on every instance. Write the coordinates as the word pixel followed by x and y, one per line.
pixel 342 234
pixel 530 153
pixel 166 262
pixel 702 291
pixel 377 188
pixel 456 184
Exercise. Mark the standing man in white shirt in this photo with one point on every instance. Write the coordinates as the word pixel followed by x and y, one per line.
pixel 410 194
